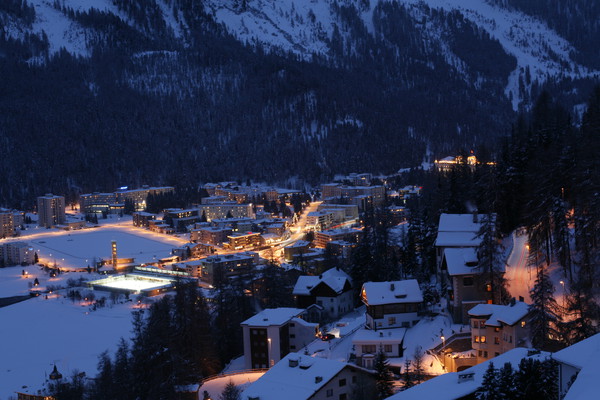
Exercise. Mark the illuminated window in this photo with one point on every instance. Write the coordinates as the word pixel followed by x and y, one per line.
pixel 522 324
pixel 488 287
pixel 482 339
pixel 476 339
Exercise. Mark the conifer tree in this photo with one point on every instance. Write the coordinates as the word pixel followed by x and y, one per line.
pixel 383 376
pixel 506 383
pixel 489 386
pixel 544 311
pixel 231 392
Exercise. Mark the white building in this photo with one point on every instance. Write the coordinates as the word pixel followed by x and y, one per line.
pixel 457 231
pixel 367 343
pixel 319 220
pixel 17 253
pixel 392 304
pixel 7 223
pixel 332 291
pixel 273 333
pixel 301 377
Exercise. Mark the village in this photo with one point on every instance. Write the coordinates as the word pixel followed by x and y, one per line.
pixel 335 333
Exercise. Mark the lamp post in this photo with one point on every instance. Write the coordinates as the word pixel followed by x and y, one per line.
pixel 564 293
pixel 442 351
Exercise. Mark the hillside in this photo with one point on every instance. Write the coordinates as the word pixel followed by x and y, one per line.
pixel 101 93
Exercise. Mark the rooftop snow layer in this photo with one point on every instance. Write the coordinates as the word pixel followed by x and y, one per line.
pixel 448 387
pixel 334 278
pixel 273 316
pixel 284 381
pixel 457 261
pixel 497 313
pixel 382 336
pixel 378 293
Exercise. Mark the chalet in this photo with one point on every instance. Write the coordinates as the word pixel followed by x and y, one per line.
pixel 301 377
pixel 457 231
pixel 273 333
pixel 464 283
pixel 392 304
pixel 331 290
pixel 496 329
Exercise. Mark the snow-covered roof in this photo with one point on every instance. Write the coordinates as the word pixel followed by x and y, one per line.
pixel 273 316
pixel 461 261
pixel 586 384
pixel 369 336
pixel 459 223
pixel 448 386
pixel 299 243
pixel 578 354
pixel 457 239
pixel 496 313
pixel 295 377
pixel 377 293
pixel 334 278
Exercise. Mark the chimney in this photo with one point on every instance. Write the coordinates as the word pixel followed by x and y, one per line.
pixel 318 379
pixel 475 217
pixel 293 363
pixel 392 287
pixel 513 301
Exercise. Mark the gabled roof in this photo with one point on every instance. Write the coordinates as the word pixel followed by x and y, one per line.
pixel 497 313
pixel 295 377
pixel 578 354
pixel 378 293
pixel 335 278
pixel 369 336
pixel 448 386
pixel 273 316
pixel 457 239
pixel 459 261
pixel 459 223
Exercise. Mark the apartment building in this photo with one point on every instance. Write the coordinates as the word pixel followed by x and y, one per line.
pixel 51 210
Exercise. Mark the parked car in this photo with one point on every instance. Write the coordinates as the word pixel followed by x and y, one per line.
pixel 328 336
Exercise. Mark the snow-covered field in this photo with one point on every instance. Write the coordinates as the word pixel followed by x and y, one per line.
pixel 132 283
pixel 215 386
pixel 38 333
pixel 77 249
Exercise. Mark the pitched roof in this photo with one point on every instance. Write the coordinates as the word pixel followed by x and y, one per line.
pixel 458 260
pixel 273 316
pixel 334 278
pixel 378 293
pixel 447 386
pixel 293 381
pixel 577 354
pixel 364 335
pixel 496 313
pixel 459 230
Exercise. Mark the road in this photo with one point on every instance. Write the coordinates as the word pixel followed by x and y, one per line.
pixel 520 276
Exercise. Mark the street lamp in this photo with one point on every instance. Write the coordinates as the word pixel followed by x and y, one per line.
pixel 564 293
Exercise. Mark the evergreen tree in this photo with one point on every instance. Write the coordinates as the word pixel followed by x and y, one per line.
pixel 418 368
pixel 543 311
pixel 383 376
pixel 489 389
pixel 231 392
pixel 407 375
pixel 506 383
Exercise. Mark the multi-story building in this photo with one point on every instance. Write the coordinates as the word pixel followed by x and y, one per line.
pixel 496 329
pixel 7 223
pixel 392 304
pixel 139 196
pixel 361 196
pixel 464 282
pixel 17 253
pixel 457 231
pixel 347 234
pixel 96 203
pixel 301 377
pixel 179 219
pixel 331 291
pixel 224 210
pixel 350 210
pixel 245 241
pixel 215 267
pixel 273 333
pixel 51 210
pixel 142 219
pixel 294 249
pixel 319 220
pixel 210 235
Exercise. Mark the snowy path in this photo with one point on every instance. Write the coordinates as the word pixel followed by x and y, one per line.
pixel 520 277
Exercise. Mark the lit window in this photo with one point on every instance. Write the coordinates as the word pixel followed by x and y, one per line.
pixel 482 339
pixel 476 339
pixel 523 324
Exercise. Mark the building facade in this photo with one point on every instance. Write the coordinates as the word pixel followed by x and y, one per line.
pixel 51 210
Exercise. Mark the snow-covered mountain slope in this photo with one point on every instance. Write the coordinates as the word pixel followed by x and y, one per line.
pixel 306 27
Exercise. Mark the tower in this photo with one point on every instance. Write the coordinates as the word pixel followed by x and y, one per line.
pixel 51 210
pixel 114 253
